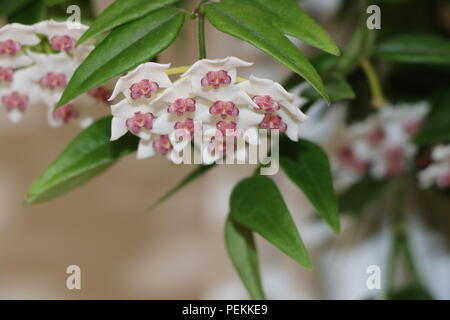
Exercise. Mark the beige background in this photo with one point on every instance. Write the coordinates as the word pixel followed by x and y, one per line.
pixel 173 252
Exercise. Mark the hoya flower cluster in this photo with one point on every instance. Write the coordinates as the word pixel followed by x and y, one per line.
pixel 379 146
pixel 36 63
pixel 438 172
pixel 207 101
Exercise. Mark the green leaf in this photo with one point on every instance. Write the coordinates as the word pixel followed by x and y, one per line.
pixel 197 173
pixel 8 7
pixel 250 24
pixel 257 204
pixel 121 12
pixel 337 89
pixel 33 13
pixel 412 292
pixel 306 164
pixel 415 48
pixel 242 251
pixel 360 195
pixel 292 20
pixel 88 155
pixel 125 48
pixel 360 47
pixel 436 126
pixel 54 2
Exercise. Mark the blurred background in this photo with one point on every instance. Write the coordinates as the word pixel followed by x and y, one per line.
pixel 177 250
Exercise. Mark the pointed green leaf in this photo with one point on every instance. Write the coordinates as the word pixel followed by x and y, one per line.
pixel 307 165
pixel 32 13
pixel 88 155
pixel 257 204
pixel 121 12
pixel 8 7
pixel 242 251
pixel 54 2
pixel 125 48
pixel 197 173
pixel 250 24
pixel 436 126
pixel 337 89
pixel 292 20
pixel 415 48
pixel 360 47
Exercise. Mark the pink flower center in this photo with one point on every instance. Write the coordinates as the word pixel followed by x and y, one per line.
pixel 15 101
pixel 162 144
pixel 66 113
pixel 9 47
pixel 376 135
pixel 181 106
pixel 266 103
pixel 215 79
pixel 144 88
pixel 6 74
pixel 273 121
pixel 395 158
pixel 348 158
pixel 64 42
pixel 444 181
pixel 100 93
pixel 140 121
pixel 53 80
pixel 412 127
pixel 186 127
pixel 228 129
pixel 224 109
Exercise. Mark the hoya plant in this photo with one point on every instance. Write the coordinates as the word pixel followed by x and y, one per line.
pixel 332 128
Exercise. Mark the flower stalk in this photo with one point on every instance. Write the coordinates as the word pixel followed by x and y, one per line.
pixel 378 100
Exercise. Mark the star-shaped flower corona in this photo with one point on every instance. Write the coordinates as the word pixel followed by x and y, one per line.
pixel 214 74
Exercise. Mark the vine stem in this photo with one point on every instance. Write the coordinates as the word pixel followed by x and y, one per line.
pixel 400 245
pixel 378 100
pixel 201 32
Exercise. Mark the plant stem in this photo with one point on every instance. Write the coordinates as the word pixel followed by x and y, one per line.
pixel 201 32
pixel 378 100
pixel 400 246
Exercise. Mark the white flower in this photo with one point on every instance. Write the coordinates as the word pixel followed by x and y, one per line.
pixel 13 37
pixel 216 73
pixel 63 39
pixel 273 100
pixel 439 171
pixel 142 83
pixel 18 96
pixel 51 73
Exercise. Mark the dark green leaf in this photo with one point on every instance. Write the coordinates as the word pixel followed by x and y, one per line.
pixel 257 204
pixel 54 2
pixel 436 127
pixel 360 195
pixel 197 173
pixel 411 293
pixel 121 12
pixel 242 251
pixel 8 7
pixel 337 89
pixel 88 155
pixel 125 48
pixel 249 24
pixel 31 14
pixel 360 47
pixel 306 164
pixel 292 20
pixel 416 48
